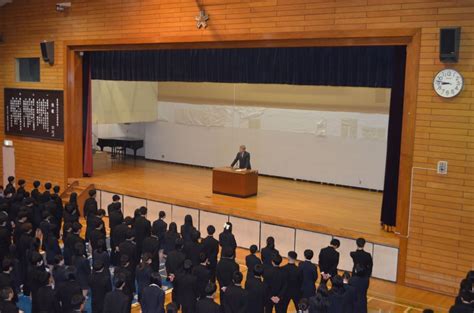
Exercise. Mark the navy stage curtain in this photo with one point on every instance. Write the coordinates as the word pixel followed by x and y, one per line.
pixel 330 66
pixel 394 139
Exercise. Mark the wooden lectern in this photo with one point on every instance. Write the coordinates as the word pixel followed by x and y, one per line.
pixel 232 182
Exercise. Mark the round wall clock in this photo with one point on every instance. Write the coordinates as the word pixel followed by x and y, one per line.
pixel 448 83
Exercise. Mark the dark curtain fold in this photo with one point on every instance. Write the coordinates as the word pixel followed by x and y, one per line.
pixel 330 66
pixel 394 139
pixel 87 116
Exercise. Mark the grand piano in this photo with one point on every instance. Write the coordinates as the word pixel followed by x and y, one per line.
pixel 119 145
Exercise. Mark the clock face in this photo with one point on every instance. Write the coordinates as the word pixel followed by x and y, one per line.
pixel 448 83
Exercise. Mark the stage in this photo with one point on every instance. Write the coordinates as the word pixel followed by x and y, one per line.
pixel 340 211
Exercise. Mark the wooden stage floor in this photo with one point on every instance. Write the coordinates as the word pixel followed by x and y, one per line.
pixel 328 209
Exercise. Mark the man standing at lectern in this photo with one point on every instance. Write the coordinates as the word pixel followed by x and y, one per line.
pixel 243 157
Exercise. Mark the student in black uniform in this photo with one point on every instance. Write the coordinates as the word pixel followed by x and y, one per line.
pixel 115 206
pixel 202 274
pixel 46 296
pixel 309 275
pixel 185 284
pixel 159 227
pixel 207 304
pixel 225 269
pixel 35 193
pixel 268 252
pixel 151 245
pixel 251 260
pixel 143 273
pixel 360 282
pixel 142 227
pixel 349 295
pixel 78 303
pixel 5 235
pixel 192 248
pixel 256 290
pixel 97 235
pixel 7 305
pixel 187 228
pixel 275 280
pixel 82 265
pixel 117 237
pixel 362 257
pixel 227 239
pixel 90 205
pixel 210 247
pixel 170 238
pixel 101 253
pixel 100 284
pixel 337 295
pixel 21 187
pixel 293 290
pixel 329 260
pixel 235 297
pixel 59 270
pixel 51 246
pixel 125 272
pixel 68 289
pixel 117 301
pixel 129 248
pixel 71 241
pixel 175 260
pixel 153 297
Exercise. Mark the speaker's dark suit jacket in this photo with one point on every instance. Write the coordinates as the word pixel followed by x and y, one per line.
pixel 243 159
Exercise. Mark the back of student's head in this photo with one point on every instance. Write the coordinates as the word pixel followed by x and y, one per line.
pixel 270 242
pixel 115 198
pixel 92 192
pixel 253 249
pixel 360 242
pixel 6 293
pixel 155 278
pixel 237 277
pixel 346 275
pixel 211 230
pixel 335 242
pixel 337 282
pixel 162 214
pixel 292 255
pixel 258 270
pixel 77 300
pixel 428 311
pixel 308 254
pixel 143 211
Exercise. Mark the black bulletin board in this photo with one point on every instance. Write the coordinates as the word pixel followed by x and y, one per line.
pixel 34 113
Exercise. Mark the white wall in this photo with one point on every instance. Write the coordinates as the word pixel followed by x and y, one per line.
pixel 344 148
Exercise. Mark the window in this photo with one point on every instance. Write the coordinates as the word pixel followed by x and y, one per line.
pixel 28 69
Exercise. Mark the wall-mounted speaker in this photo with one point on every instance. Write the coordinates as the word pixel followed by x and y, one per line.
pixel 449 39
pixel 47 51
